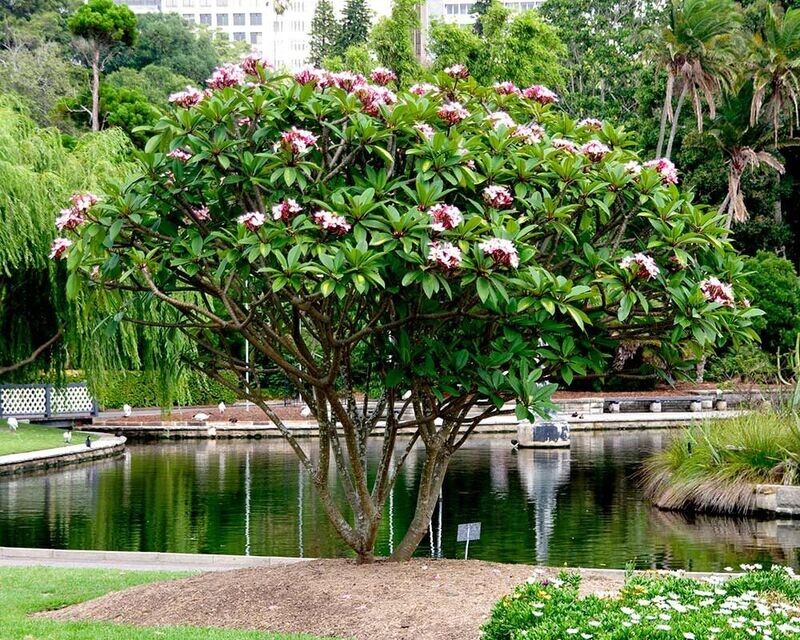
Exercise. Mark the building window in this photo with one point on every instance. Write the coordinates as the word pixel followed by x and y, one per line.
pixel 278 26
pixel 205 18
pixel 255 37
pixel 172 3
pixel 238 19
pixel 222 3
pixel 222 19
pixel 222 35
pixel 238 36
pixel 255 19
pixel 189 17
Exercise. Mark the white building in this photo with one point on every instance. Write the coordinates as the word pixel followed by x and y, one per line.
pixel 462 12
pixel 283 38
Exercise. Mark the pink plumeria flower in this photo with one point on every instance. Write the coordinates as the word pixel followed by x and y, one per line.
pixel 296 141
pixel 452 113
pixel 563 144
pixel 529 133
pixel 373 97
pixel 444 217
pixel 332 223
pixel 644 265
pixel 180 155
pixel 382 76
pixel 253 220
pixel 252 62
pixel 228 75
pixel 347 80
pixel 201 214
pixel 309 75
pixel 422 89
pixel 498 196
pixel 70 218
pixel 426 130
pixel 632 167
pixel 595 150
pixel 503 252
pixel 187 98
pixel 83 201
pixel 501 119
pixel 457 71
pixel 59 247
pixel 286 210
pixel 593 124
pixel 506 88
pixel 715 290
pixel 540 94
pixel 664 166
pixel 444 255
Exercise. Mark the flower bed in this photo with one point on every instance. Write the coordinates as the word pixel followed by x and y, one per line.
pixel 757 604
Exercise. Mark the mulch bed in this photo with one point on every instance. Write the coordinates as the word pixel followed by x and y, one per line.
pixel 421 599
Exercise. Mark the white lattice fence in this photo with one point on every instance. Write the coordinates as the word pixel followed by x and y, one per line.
pixel 46 400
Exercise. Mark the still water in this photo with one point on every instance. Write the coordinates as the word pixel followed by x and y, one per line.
pixel 579 507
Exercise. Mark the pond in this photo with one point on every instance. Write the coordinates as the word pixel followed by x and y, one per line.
pixel 577 507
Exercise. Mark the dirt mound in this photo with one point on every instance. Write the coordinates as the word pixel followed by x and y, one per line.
pixel 420 600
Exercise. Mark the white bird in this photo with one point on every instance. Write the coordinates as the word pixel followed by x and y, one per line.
pixel 202 417
pixel 126 410
pixel 305 412
pixel 13 424
pixel 221 407
pixel 67 437
pixel 212 432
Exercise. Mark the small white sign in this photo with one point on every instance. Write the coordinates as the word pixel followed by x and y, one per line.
pixel 469 531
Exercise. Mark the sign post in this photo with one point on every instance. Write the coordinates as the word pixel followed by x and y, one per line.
pixel 467 532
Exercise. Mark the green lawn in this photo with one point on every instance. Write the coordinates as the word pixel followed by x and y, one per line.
pixel 32 437
pixel 25 590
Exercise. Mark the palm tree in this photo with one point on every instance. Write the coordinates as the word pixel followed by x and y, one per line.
pixel 698 48
pixel 744 145
pixel 776 62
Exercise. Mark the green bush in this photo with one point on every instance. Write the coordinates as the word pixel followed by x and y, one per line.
pixel 137 388
pixel 776 290
pixel 652 608
pixel 747 363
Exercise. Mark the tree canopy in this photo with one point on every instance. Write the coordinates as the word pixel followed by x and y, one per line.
pixel 475 243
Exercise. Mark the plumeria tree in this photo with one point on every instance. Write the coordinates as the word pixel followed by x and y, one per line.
pixel 474 243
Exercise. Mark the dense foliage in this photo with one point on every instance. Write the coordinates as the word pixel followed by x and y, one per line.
pixel 472 241
pixel 672 607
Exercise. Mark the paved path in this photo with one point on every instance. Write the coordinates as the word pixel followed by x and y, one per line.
pixel 139 561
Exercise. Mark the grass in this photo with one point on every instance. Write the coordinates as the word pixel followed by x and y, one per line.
pixel 758 604
pixel 712 467
pixel 26 590
pixel 33 437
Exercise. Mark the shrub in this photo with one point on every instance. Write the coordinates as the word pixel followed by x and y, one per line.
pixel 776 290
pixel 652 608
pixel 747 363
pixel 713 467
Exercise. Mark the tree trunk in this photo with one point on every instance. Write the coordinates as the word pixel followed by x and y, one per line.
pixel 96 89
pixel 675 120
pixel 663 129
pixel 430 485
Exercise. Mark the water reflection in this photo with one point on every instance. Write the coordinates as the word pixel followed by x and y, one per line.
pixel 575 507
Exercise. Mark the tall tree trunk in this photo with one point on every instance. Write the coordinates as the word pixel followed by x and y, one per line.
pixel 430 485
pixel 663 129
pixel 675 120
pixel 96 89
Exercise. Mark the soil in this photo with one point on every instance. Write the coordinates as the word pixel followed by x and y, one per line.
pixel 418 600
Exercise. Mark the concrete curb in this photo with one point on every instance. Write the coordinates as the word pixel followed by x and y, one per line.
pixel 106 447
pixel 501 424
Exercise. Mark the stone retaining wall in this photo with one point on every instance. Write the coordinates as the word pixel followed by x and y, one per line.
pixel 62 456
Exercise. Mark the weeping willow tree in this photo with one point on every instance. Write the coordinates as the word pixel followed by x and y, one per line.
pixel 38 171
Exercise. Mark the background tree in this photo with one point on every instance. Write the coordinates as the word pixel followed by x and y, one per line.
pixel 479 9
pixel 355 25
pixel 169 41
pixel 324 36
pixel 101 28
pixel 392 39
pixel 472 262
pixel 517 47
pixel 153 82
pixel 37 174
pixel 700 49
pixel 358 59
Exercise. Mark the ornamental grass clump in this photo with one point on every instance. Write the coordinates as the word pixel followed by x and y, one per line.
pixel 713 467
pixel 757 604
pixel 459 265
